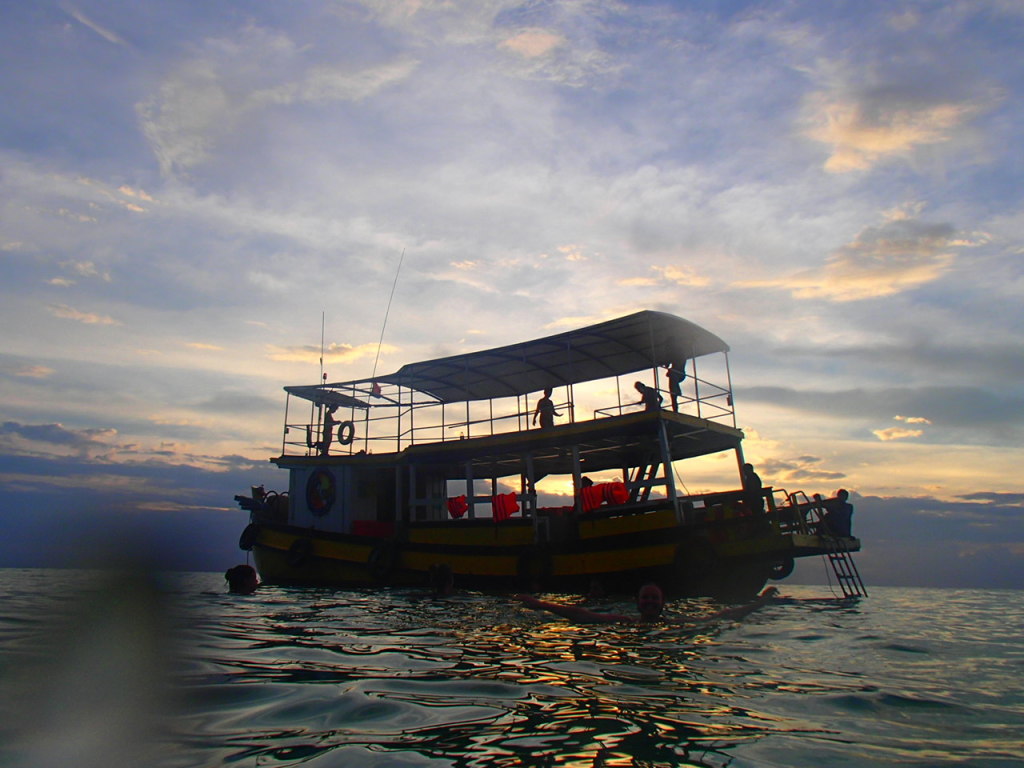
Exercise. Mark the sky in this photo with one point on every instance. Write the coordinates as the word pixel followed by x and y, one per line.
pixel 191 191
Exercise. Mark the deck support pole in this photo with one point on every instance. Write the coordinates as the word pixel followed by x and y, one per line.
pixel 470 495
pixel 577 480
pixel 670 475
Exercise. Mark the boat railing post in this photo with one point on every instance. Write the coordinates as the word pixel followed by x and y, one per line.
pixel 728 399
pixel 696 387
pixel 284 437
pixel 470 493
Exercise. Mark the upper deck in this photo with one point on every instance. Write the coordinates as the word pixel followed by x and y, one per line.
pixel 484 403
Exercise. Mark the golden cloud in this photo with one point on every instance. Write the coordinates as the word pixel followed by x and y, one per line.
pixel 34 372
pixel 89 318
pixel 681 276
pixel 533 43
pixel 896 256
pixel 862 134
pixel 335 353
pixel 201 345
pixel 896 433
pixel 912 419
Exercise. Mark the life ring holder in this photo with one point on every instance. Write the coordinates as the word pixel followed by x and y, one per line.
pixel 346 433
pixel 382 561
pixel 249 537
pixel 299 552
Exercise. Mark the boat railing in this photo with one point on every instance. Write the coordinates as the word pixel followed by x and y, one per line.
pixel 799 513
pixel 391 421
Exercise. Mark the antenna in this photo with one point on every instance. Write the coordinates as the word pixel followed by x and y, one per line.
pixel 386 313
pixel 323 376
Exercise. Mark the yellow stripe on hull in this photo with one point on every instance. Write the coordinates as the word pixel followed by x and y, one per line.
pixel 497 535
pixel 617 526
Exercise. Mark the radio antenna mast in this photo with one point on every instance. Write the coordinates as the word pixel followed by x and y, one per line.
pixel 323 376
pixel 386 313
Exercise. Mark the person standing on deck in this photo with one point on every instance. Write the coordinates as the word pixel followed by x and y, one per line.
pixel 675 378
pixel 328 432
pixel 546 411
pixel 650 398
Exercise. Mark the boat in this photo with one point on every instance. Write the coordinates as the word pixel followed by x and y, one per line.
pixel 441 467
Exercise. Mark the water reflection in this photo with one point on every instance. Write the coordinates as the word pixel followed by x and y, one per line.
pixel 473 680
pixel 323 678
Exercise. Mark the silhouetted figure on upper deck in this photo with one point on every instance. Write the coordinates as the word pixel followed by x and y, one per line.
pixel 675 377
pixel 650 398
pixel 546 411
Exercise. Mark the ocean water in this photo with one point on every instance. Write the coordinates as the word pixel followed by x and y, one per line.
pixel 170 670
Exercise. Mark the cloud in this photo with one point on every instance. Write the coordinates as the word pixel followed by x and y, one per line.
pixel 44 437
pixel 533 43
pixel 234 402
pixel 896 433
pixel 203 346
pixel 85 269
pixel 896 256
pixel 88 318
pixel 333 353
pixel 883 108
pixel 986 415
pixel 34 372
pixel 797 470
pixel 996 498
pixel 230 84
pixel 912 419
pixel 867 132
pixel 103 32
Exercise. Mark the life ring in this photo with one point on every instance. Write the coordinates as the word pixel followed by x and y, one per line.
pixel 346 432
pixel 381 562
pixel 249 537
pixel 780 569
pixel 299 552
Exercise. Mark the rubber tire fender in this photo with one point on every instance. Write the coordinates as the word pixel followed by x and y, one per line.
pixel 780 569
pixel 249 537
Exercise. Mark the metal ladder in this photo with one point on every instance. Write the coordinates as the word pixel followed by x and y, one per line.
pixel 839 556
pixel 844 568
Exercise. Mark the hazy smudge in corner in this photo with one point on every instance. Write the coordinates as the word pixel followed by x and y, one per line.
pixel 95 688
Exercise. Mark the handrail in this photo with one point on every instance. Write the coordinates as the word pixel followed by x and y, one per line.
pixel 398 421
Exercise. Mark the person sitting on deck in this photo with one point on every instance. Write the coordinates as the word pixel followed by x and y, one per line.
pixel 753 489
pixel 546 411
pixel 650 602
pixel 839 515
pixel 650 398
